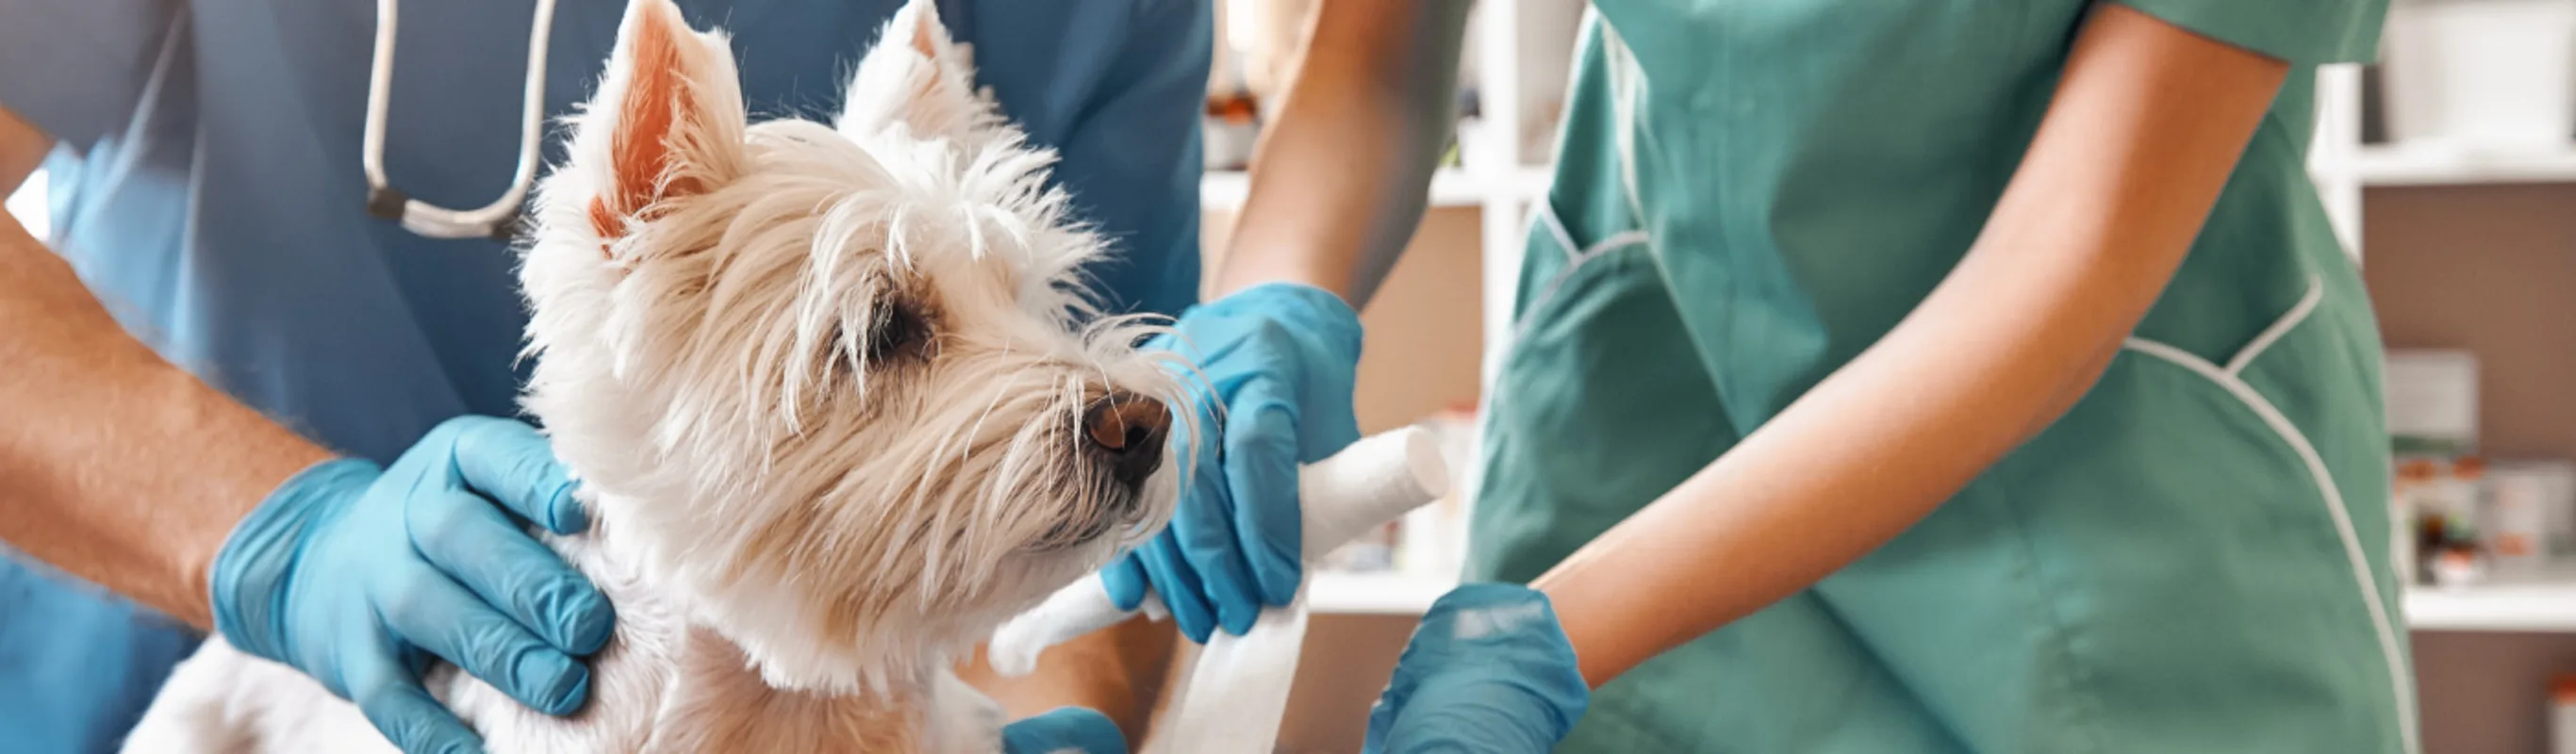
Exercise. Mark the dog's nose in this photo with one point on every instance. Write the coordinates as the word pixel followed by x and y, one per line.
pixel 1129 429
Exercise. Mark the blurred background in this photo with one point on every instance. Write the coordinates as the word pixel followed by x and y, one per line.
pixel 2449 170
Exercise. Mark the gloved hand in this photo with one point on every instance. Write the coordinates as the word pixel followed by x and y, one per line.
pixel 1489 671
pixel 1066 729
pixel 1278 362
pixel 358 576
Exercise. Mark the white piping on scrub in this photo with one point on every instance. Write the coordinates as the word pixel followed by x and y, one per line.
pixel 1556 227
pixel 1627 88
pixel 2400 684
pixel 1573 262
pixel 1627 85
pixel 2263 342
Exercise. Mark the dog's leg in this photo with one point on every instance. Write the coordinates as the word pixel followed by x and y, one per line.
pixel 961 719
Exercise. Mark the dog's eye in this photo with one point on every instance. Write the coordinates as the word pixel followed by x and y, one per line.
pixel 894 328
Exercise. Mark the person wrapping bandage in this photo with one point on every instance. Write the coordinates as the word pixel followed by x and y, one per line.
pixel 1888 377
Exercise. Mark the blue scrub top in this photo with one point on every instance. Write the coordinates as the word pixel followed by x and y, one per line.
pixel 207 187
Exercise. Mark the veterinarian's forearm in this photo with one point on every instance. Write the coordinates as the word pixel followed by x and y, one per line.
pixel 115 466
pixel 2147 124
pixel 1341 176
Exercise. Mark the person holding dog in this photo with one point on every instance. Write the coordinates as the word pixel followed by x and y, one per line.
pixel 235 400
pixel 1888 377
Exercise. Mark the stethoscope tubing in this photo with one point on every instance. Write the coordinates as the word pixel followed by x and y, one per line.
pixel 496 220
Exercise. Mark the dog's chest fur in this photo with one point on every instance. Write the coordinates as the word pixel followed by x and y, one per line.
pixel 661 685
pixel 666 685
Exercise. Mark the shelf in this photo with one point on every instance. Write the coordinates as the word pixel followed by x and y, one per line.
pixel 1334 593
pixel 1450 187
pixel 1224 189
pixel 2538 607
pixel 2382 165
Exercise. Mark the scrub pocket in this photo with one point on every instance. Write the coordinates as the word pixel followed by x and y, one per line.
pixel 2184 562
pixel 1599 405
pixel 2296 467
pixel 2192 559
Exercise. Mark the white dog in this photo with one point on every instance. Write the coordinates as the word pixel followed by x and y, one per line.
pixel 838 403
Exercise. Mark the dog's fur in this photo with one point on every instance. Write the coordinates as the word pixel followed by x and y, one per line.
pixel 826 388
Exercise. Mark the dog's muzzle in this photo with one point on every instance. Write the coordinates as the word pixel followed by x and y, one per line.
pixel 1125 432
pixel 1122 437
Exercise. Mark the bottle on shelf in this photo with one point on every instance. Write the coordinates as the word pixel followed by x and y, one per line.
pixel 2562 714
pixel 2405 530
pixel 2450 530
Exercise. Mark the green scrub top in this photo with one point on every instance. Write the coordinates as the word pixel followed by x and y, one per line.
pixel 1750 193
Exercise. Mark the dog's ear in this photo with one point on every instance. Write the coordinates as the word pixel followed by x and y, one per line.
pixel 668 119
pixel 918 77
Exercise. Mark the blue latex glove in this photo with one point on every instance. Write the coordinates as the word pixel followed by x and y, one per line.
pixel 1489 671
pixel 1278 362
pixel 1067 729
pixel 359 576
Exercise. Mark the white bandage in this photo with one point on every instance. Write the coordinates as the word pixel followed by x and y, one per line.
pixel 1368 484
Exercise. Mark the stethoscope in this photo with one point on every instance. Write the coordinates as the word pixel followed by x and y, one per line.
pixel 500 219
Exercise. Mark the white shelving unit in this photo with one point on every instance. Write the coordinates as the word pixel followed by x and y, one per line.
pixel 2343 167
pixel 2534 608
pixel 2396 166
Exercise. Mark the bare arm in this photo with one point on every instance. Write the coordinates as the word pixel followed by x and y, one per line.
pixel 1341 175
pixel 2147 124
pixel 115 466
